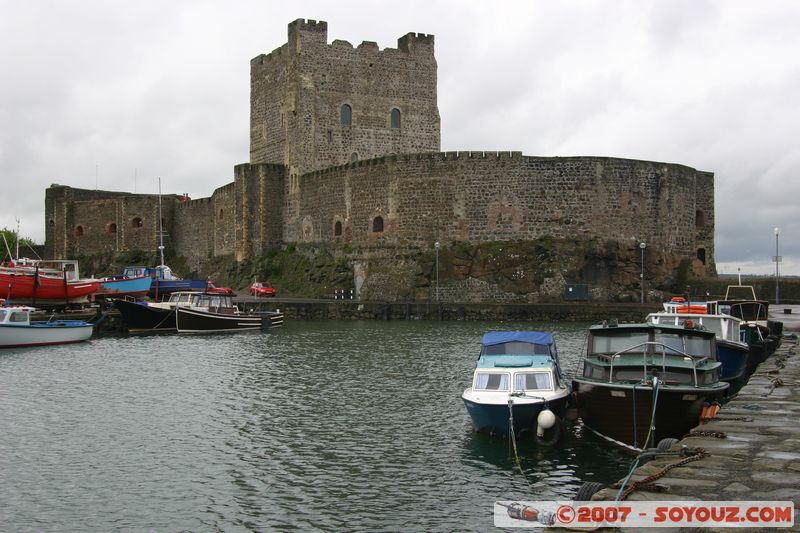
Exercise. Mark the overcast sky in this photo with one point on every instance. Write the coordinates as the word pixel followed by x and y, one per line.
pixel 114 94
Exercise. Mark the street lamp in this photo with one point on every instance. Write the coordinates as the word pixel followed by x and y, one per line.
pixel 777 260
pixel 437 245
pixel 642 246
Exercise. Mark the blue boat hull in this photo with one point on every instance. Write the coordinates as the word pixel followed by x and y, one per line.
pixel 734 364
pixel 493 419
pixel 126 286
pixel 159 287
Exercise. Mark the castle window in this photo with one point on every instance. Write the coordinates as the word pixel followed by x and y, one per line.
pixel 699 219
pixel 111 227
pixel 347 115
pixel 52 222
pixel 78 231
pixel 701 255
pixel 136 222
pixel 377 225
pixel 330 136
pixel 395 118
pixel 354 157
pixel 221 214
pixel 337 228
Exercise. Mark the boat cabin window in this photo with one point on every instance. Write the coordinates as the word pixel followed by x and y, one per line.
pixel 19 316
pixel 213 301
pixel 595 372
pixel 181 297
pixel 674 378
pixel 749 311
pixel 491 381
pixel 629 374
pixel 3 314
pixel 516 348
pixel 133 272
pixel 611 344
pixel 532 381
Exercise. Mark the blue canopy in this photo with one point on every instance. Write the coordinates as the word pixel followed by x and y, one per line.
pixel 531 337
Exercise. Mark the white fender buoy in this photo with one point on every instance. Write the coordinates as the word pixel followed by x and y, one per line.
pixel 545 420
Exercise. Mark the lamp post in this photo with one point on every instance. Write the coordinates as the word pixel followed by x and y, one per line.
pixel 642 246
pixel 777 260
pixel 437 245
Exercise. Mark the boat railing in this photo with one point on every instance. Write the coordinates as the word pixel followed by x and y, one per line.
pixel 674 352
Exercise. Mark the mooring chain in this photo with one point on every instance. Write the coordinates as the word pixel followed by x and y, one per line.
pixel 699 454
pixel 776 382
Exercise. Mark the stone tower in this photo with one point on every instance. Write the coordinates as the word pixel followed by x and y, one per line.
pixel 314 105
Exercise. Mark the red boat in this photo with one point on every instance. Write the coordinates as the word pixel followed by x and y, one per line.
pixel 24 286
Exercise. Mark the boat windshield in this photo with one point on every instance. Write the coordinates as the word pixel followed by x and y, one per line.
pixel 181 297
pixel 491 381
pixel 610 344
pixel 695 346
pixel 532 381
pixel 516 348
pixel 748 310
pixel 133 272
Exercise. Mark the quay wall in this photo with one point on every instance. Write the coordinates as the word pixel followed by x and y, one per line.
pixel 354 310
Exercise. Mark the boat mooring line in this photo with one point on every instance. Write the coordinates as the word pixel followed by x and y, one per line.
pixel 514 442
pixel 656 387
pixel 656 383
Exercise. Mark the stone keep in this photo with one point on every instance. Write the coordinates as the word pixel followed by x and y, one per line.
pixel 315 105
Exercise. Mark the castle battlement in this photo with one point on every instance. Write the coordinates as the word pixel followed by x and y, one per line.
pixel 412 42
pixel 191 204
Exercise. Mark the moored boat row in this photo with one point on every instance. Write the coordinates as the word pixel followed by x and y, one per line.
pixel 637 385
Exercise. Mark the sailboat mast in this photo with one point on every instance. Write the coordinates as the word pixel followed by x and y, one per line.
pixel 160 227
pixel 17 258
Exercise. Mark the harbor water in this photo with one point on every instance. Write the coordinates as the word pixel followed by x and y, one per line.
pixel 328 426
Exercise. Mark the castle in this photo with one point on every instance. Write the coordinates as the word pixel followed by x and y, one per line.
pixel 345 150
